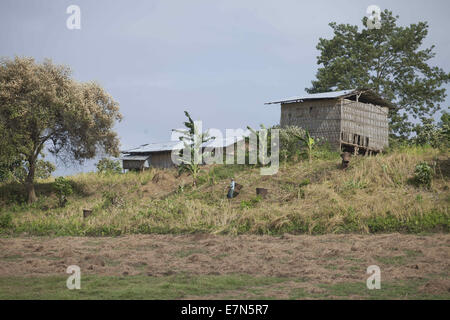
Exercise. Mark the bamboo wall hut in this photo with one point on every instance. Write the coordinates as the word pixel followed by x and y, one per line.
pixel 350 120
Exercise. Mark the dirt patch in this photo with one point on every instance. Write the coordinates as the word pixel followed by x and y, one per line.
pixel 436 285
pixel 315 259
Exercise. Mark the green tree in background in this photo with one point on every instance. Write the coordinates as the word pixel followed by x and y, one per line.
pixel 435 135
pixel 390 61
pixel 108 166
pixel 41 105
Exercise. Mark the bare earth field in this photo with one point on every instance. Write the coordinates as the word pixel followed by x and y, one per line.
pixel 226 267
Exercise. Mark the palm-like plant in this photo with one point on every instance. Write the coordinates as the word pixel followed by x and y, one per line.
pixel 193 142
pixel 309 143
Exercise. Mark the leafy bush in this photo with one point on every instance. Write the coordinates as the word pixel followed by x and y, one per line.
pixel 437 136
pixel 290 144
pixel 247 204
pixel 5 220
pixel 423 174
pixel 112 198
pixel 295 142
pixel 63 189
pixel 108 166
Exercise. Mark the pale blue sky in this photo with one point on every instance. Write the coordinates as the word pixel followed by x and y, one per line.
pixel 221 60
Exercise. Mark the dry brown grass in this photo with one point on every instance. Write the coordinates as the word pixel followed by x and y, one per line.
pixel 334 201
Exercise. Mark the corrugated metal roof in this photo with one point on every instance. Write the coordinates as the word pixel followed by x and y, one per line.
pixel 322 95
pixel 153 147
pixel 366 96
pixel 132 157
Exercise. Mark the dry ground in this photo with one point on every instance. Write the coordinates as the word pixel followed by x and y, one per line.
pixel 302 264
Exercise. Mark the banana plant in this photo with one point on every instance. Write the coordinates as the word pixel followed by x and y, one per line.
pixel 193 142
pixel 309 143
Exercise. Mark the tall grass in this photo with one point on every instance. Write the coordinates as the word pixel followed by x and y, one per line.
pixel 375 194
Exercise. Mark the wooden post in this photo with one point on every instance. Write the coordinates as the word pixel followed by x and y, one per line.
pixel 86 213
pixel 261 192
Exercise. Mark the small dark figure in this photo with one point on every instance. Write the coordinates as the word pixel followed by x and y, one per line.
pixel 345 159
pixel 231 189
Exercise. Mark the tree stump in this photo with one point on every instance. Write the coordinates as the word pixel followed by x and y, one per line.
pixel 262 192
pixel 86 213
pixel 346 156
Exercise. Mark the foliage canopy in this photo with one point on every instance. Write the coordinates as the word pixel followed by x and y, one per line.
pixel 390 61
pixel 42 106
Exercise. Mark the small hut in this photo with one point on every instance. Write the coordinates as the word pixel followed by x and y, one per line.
pixel 159 155
pixel 350 120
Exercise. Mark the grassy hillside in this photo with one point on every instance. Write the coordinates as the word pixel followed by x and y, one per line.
pixel 375 194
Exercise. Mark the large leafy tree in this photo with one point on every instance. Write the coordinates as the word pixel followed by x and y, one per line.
pixel 389 60
pixel 42 106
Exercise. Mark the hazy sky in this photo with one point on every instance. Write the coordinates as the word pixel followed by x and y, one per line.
pixel 221 60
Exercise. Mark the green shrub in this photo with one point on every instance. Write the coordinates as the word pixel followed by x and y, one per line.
pixel 63 189
pixel 290 144
pixel 247 204
pixel 108 166
pixel 112 198
pixel 5 220
pixel 304 183
pixel 423 174
pixel 435 135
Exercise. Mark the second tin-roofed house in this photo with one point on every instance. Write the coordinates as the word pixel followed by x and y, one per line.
pixel 159 155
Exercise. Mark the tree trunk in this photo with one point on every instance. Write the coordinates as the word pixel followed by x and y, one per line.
pixel 29 182
pixel 31 193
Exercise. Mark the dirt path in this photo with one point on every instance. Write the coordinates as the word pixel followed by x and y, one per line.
pixel 325 259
